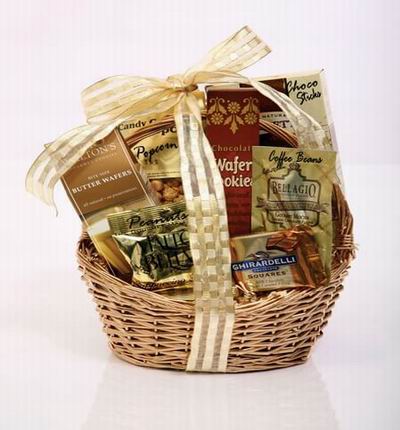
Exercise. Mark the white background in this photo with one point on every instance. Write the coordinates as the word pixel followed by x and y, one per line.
pixel 55 369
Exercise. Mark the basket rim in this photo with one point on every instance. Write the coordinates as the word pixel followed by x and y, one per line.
pixel 155 127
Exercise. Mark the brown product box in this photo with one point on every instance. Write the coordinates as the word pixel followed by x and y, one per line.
pixel 232 127
pixel 105 176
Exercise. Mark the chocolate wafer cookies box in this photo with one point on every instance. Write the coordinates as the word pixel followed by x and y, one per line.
pixel 233 129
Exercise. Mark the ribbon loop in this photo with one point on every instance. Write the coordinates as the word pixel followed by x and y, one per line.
pixel 181 83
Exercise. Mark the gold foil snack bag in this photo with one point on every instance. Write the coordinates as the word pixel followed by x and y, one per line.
pixel 155 242
pixel 106 180
pixel 291 187
pixel 158 155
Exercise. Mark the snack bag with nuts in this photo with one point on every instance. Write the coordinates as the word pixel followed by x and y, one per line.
pixel 155 242
pixel 158 155
pixel 106 180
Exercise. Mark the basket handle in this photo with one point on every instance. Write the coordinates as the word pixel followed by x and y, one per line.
pixel 154 128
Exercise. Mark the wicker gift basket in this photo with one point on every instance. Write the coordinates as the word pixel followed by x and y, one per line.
pixel 226 328
pixel 270 331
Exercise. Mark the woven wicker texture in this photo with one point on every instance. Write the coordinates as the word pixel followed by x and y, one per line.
pixel 277 330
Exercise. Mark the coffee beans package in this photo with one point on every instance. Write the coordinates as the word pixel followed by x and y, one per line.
pixel 291 187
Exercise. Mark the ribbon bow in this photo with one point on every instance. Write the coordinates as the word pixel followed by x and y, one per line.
pixel 118 99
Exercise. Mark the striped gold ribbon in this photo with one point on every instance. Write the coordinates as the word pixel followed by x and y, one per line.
pixel 117 99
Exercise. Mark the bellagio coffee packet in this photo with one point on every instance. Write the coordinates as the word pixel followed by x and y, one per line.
pixel 232 128
pixel 292 187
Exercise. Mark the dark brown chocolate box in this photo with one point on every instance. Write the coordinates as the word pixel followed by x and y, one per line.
pixel 233 128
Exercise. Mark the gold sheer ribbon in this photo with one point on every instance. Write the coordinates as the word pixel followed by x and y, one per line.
pixel 117 99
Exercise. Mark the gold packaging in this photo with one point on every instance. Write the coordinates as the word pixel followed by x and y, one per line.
pixel 155 242
pixel 277 260
pixel 106 180
pixel 291 187
pixel 308 91
pixel 158 155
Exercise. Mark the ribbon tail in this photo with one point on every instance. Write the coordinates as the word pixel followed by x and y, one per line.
pixel 209 241
pixel 234 54
pixel 63 153
pixel 59 157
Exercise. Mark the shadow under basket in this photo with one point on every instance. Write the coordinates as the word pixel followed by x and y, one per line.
pixel 278 330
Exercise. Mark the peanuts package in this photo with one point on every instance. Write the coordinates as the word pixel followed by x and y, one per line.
pixel 155 242
pixel 106 180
